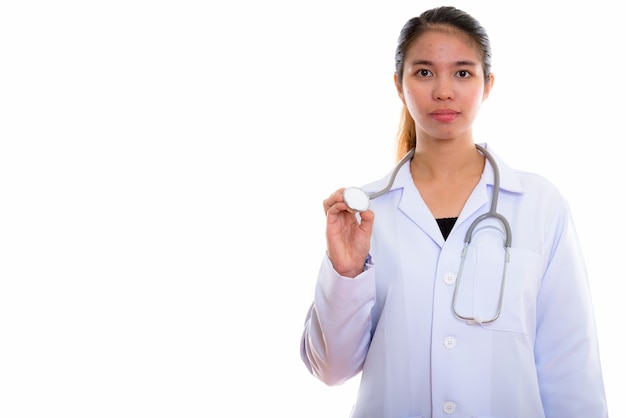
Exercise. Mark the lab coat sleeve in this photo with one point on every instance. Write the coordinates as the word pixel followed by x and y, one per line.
pixel 566 349
pixel 338 326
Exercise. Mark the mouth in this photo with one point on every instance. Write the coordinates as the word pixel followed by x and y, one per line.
pixel 444 115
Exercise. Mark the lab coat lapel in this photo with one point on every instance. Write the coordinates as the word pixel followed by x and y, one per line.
pixel 414 207
pixel 479 200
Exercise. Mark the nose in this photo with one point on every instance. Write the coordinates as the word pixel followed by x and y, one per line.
pixel 443 91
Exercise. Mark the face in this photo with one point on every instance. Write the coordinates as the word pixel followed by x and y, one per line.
pixel 443 85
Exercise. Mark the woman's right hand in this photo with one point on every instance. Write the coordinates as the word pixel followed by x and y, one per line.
pixel 347 239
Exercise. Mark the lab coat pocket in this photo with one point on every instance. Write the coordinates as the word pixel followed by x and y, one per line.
pixel 493 292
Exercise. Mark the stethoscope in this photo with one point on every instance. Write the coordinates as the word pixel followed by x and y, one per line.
pixel 358 200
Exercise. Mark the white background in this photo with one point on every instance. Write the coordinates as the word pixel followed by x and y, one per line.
pixel 162 171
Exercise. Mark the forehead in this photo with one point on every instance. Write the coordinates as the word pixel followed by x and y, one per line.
pixel 443 43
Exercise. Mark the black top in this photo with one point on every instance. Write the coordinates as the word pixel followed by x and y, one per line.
pixel 446 224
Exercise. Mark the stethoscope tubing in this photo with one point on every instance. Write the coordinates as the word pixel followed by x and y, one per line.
pixel 493 211
pixel 358 200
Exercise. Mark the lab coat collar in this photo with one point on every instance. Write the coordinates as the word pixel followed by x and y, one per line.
pixel 509 180
pixel 413 206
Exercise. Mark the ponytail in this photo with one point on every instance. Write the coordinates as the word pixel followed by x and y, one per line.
pixel 406 134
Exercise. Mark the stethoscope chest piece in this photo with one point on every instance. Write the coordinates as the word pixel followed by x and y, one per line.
pixel 356 199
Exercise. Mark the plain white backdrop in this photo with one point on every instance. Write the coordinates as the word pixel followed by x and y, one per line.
pixel 162 171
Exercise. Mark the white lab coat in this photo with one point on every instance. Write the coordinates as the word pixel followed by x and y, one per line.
pixel 394 322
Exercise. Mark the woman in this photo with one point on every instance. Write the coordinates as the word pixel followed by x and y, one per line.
pixel 511 332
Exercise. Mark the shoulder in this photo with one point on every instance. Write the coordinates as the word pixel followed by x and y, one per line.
pixel 524 182
pixel 537 183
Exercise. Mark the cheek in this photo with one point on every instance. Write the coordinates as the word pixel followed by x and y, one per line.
pixel 476 98
pixel 411 101
pixel 412 97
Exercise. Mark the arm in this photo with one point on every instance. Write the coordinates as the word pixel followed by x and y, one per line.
pixel 566 348
pixel 338 326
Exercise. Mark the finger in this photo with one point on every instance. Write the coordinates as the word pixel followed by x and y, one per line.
pixel 333 199
pixel 339 208
pixel 367 220
pixel 367 216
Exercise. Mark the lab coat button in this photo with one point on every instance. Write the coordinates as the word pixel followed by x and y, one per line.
pixel 449 278
pixel 449 408
pixel 449 342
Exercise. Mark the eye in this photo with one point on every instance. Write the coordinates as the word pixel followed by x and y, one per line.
pixel 463 74
pixel 423 73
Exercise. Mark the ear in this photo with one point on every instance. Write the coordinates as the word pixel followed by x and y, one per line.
pixel 488 86
pixel 398 84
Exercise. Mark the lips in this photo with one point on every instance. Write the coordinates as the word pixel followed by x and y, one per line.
pixel 444 115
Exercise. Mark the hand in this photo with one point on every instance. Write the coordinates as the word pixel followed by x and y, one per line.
pixel 347 239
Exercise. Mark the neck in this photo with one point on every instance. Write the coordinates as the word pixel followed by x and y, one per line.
pixel 446 174
pixel 434 161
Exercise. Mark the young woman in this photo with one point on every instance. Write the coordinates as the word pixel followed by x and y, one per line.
pixel 497 322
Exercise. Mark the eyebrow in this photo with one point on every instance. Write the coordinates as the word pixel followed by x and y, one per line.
pixel 460 63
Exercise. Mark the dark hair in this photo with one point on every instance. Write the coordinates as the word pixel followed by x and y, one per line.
pixel 446 16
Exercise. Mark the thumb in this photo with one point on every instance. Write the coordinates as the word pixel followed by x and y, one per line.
pixel 367 220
